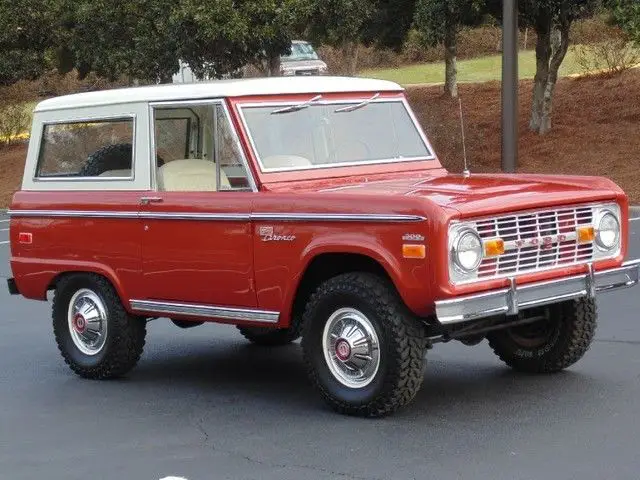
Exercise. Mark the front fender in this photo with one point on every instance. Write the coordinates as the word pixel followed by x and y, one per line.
pixel 408 275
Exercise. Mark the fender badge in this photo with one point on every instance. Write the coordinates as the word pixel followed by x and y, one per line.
pixel 412 237
pixel 267 235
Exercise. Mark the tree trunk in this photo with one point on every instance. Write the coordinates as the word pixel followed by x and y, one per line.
pixel 451 61
pixel 543 56
pixel 559 47
pixel 273 65
pixel 351 51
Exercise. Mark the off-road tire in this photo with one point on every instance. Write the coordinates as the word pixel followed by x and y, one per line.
pixel 111 157
pixel 271 337
pixel 401 340
pixel 125 334
pixel 573 332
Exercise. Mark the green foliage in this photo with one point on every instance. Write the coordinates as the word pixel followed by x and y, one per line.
pixel 390 23
pixel 434 17
pixel 116 37
pixel 142 39
pixel 24 37
pixel 626 13
pixel 337 22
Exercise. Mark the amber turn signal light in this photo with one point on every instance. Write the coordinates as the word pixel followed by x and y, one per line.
pixel 586 234
pixel 493 248
pixel 413 251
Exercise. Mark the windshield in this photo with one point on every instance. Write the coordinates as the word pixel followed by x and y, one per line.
pixel 301 51
pixel 320 135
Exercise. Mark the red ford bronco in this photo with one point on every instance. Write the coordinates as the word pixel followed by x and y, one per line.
pixel 311 207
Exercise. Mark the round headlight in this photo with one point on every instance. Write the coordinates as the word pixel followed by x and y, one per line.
pixel 467 251
pixel 608 233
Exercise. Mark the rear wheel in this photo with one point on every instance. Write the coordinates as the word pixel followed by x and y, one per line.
pixel 97 337
pixel 559 339
pixel 364 351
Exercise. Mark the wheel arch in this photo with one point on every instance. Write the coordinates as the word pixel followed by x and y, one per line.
pixel 104 272
pixel 322 265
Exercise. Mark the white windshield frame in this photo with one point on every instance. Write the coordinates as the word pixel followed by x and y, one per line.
pixel 355 101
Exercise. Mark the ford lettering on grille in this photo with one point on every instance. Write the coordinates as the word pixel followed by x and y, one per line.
pixel 535 241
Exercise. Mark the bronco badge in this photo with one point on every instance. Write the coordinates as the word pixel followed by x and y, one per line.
pixel 267 235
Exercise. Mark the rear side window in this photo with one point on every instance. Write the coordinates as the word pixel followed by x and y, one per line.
pixel 99 148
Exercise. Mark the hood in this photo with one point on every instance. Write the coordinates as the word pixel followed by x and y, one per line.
pixel 475 195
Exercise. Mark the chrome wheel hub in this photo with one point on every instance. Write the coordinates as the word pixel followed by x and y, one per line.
pixel 351 348
pixel 87 318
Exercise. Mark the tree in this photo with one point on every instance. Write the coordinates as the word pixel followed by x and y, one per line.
pixel 273 24
pixel 118 37
pixel 390 23
pixel 24 37
pixel 439 22
pixel 551 20
pixel 626 13
pixel 342 24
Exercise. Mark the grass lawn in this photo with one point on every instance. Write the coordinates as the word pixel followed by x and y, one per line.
pixel 474 70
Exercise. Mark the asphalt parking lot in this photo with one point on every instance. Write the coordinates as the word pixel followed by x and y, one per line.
pixel 203 404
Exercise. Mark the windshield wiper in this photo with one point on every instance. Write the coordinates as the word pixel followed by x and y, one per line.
pixel 295 108
pixel 351 108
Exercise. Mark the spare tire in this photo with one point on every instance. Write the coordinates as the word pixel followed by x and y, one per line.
pixel 111 157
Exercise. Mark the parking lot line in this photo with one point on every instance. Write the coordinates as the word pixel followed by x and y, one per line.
pixel 4 243
pixel 3 221
pixel 4 229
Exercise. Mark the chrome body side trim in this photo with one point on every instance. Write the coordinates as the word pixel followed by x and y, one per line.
pixel 224 217
pixel 208 311
pixel 509 301
pixel 217 217
pixel 71 214
pixel 335 217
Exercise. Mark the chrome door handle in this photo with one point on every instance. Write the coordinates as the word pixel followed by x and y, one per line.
pixel 148 200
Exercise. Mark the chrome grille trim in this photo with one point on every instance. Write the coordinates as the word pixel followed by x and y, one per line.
pixel 536 240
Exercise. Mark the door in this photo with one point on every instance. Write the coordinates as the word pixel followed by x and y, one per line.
pixel 197 238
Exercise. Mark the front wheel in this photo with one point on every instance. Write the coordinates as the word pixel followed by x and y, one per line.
pixel 559 339
pixel 364 351
pixel 98 339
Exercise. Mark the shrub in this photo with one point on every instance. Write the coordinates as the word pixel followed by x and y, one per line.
pixel 605 50
pixel 15 120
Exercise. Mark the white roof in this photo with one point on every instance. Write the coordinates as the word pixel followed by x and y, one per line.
pixel 218 89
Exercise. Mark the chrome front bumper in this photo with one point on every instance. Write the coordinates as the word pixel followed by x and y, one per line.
pixel 510 301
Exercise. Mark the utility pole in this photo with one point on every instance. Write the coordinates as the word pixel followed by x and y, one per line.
pixel 509 86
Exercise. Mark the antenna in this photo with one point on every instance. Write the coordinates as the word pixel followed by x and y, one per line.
pixel 466 172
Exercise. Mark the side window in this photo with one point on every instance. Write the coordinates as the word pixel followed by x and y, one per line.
pixel 172 136
pixel 196 150
pixel 99 148
pixel 229 153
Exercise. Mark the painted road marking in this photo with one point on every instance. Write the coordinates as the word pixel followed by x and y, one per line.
pixel 4 229
pixel 3 221
pixel 4 243
pixel 173 478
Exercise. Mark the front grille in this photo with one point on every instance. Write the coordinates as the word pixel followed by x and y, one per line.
pixel 536 241
pixel 312 71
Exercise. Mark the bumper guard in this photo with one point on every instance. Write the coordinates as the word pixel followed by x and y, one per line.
pixel 510 301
